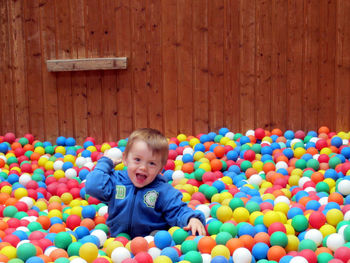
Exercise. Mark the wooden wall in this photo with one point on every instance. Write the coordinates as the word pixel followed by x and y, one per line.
pixel 194 66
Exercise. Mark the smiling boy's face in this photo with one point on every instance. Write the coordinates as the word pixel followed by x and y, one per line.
pixel 143 165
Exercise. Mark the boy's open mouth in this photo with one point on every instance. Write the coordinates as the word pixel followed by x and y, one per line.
pixel 141 177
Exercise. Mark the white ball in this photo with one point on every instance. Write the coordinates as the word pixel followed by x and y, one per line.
pixel 70 173
pixel 178 158
pixel 250 132
pixel 119 254
pixel 24 179
pixel 4 158
pixel 101 235
pixel 57 165
pixel 49 249
pixel 78 260
pixel 188 150
pixel 230 135
pixel 303 180
pixel 149 239
pixel 342 229
pixel 154 252
pixel 298 259
pixel 178 175
pixel 89 165
pixel 204 209
pixel 335 241
pixel 344 187
pixel 310 189
pixel 242 255
pixel 103 210
pixel 292 142
pixel 115 153
pixel 323 200
pixel 281 165
pixel 282 199
pixel 345 141
pixel 316 156
pixel 255 179
pixel 206 258
pixel 80 161
pixel 22 242
pixel 23 228
pixel 347 215
pixel 28 200
pixel 314 235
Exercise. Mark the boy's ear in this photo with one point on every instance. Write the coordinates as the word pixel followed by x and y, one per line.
pixel 124 160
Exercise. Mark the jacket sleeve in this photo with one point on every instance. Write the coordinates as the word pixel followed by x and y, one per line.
pixel 177 212
pixel 99 182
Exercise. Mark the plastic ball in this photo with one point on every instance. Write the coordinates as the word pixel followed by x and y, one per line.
pixel 300 223
pixel 171 253
pixel 25 251
pixel 119 254
pixel 220 250
pixel 335 241
pixel 162 239
pixel 139 244
pixel 224 213
pixel 88 252
pixel 298 259
pixel 242 255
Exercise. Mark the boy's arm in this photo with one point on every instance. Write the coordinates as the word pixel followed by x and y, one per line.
pixel 98 182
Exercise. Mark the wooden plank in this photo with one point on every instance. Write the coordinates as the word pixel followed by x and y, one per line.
pixel 154 64
pixel 124 77
pixel 6 93
pixel 184 66
pixel 342 67
pixel 86 64
pixel 140 95
pixel 264 71
pixel 93 35
pixel 216 64
pixel 279 64
pixel 295 42
pixel 311 51
pixel 326 62
pixel 33 65
pixel 48 50
pixel 64 81
pixel 200 66
pixel 109 85
pixel 247 64
pixel 79 78
pixel 231 67
pixel 169 60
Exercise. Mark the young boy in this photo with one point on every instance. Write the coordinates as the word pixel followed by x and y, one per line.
pixel 139 199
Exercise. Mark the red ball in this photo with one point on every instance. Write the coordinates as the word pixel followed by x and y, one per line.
pixel 12 239
pixel 193 182
pixel 9 137
pixel 208 177
pixel 138 244
pixel 323 158
pixel 75 192
pixel 73 221
pixel 309 255
pixel 122 239
pixel 199 197
pixel 32 185
pixel 143 257
pixel 320 144
pixel 36 235
pixel 29 137
pixel 259 133
pixel 93 201
pixel 33 194
pixel 172 154
pixel 170 165
pixel 33 212
pixel 13 223
pixel 249 155
pixel 72 183
pixel 26 168
pixel 101 260
pixel 180 150
pixel 299 134
pixel 276 226
pixel 317 219
pixel 21 206
pixel 342 253
pixel 19 151
pixel 91 139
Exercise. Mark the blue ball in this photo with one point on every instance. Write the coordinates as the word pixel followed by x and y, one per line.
pixel 223 131
pixel 246 229
pixel 312 133
pixel 244 140
pixel 70 141
pixel 55 220
pixel 67 165
pixel 162 239
pixel 332 205
pixel 337 141
pixel 35 260
pixel 345 152
pixel 171 253
pixel 212 135
pixel 86 153
pixel 218 259
pixel 187 158
pixel 4 147
pixel 313 205
pixel 204 138
pixel 88 211
pixel 83 173
pixel 288 152
pixel 12 178
pixel 289 135
pixel 232 155
pixel 331 173
pixel 58 155
pixel 306 157
pixel 87 144
pixel 294 211
pixel 90 239
pixel 260 228
pixel 219 185
pixel 61 141
pixel 172 146
pixel 82 192
pixel 235 169
pixel 184 143
pixel 168 175
pixel 46 143
pixel 266 150
pixel 274 137
pixel 20 234
pixel 286 259
pixel 259 250
pixel 51 236
pixel 199 147
pixel 309 145
pixel 81 231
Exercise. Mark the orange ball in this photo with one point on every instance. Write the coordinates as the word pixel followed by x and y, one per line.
pixel 262 237
pixel 210 156
pixel 188 167
pixel 44 221
pixel 269 166
pixel 276 253
pixel 138 244
pixel 216 165
pixel 247 241
pixel 3 258
pixel 323 129
pixel 206 244
pixel 250 171
pixel 56 228
pixel 100 220
pixel 219 151
pixel 317 177
pixel 2 163
pixel 88 223
pixel 58 253
pixel 233 244
pixel 276 131
pixel 336 197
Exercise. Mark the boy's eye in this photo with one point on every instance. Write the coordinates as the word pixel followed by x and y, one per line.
pixel 137 159
pixel 152 163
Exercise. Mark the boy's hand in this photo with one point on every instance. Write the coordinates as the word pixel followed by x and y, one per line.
pixel 196 226
pixel 115 159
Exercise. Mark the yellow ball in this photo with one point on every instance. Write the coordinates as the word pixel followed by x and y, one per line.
pixel 327 229
pixel 289 229
pixel 299 152
pixel 42 161
pixel 76 210
pixel 293 243
pixel 189 188
pixel 69 158
pixel 268 196
pixel 220 250
pixel 41 205
pixel 40 150
pixel 293 180
pixel 6 189
pixel 88 251
pixel 258 166
pixel 297 171
pixel 241 214
pixel 181 137
pixel 198 155
pixel 204 160
pixel 178 163
pixel 162 259
pixel 75 202
pixel 9 251
pixel 66 198
pixel 224 140
pixel 49 165
pixel 119 167
pixel 173 229
pixel 108 241
pixel 281 207
pixel 215 198
pixel 228 180
pixel 105 146
pixel 326 150
pixel 58 174
pixel 186 197
pixel 330 182
pixel 113 245
pixel 271 217
pixel 54 213
pixel 20 192
pixel 224 213
pixel 225 195
pixel 194 141
pixel 267 139
pixel 60 149
pixel 254 216
pixel 266 184
pixel 334 216
pixel 205 166
pixel 232 144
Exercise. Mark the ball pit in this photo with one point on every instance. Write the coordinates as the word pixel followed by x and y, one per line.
pixel 276 195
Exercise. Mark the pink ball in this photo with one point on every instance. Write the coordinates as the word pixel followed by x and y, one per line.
pixel 299 134
pixel 276 226
pixel 129 260
pixel 172 154
pixel 199 197
pixel 21 206
pixel 9 137
pixel 342 253
pixel 309 255
pixel 208 177
pixel 29 137
pixel 13 223
pixel 12 239
pixel 100 260
pixel 32 185
pixel 36 235
pixel 317 219
pixel 143 257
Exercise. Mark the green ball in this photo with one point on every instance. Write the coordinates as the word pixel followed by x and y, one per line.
pixel 308 173
pixel 10 211
pixel 25 251
pixel 127 236
pixel 252 206
pixel 245 147
pixel 342 223
pixel 322 187
pixel 19 215
pixel 324 257
pixel 279 238
pixel 256 148
pixel 34 226
pixel 300 223
pixel 102 227
pixel 210 191
pixel 179 236
pixel 224 165
pixel 3 175
pixel 245 165
pixel 235 203
pixel 333 162
pixel 49 149
pixel 23 141
pixel 38 144
pixel 314 164
pixel 73 249
pixel 229 228
pixel 202 188
pixel 299 145
pixel 307 138
pixel 259 220
pixel 193 257
pixel 62 260
pixel 28 153
pixel 11 160
pixel 217 138
pixel 214 227
pixel 307 244
pixel 237 136
pixel 15 260
pixel 301 164
pixel 62 240
pixel 37 177
pixel 213 210
pixel 222 238
pixel 347 234
pixel 188 245
pixel 122 143
pixel 198 174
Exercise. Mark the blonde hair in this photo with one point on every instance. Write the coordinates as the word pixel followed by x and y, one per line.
pixel 155 140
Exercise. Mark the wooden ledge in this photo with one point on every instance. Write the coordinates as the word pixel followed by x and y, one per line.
pixel 86 64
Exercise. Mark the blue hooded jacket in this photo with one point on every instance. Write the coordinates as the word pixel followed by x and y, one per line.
pixel 137 211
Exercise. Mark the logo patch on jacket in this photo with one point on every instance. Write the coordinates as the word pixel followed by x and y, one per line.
pixel 120 192
pixel 150 198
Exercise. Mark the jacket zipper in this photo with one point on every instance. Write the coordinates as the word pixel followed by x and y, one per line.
pixel 132 210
